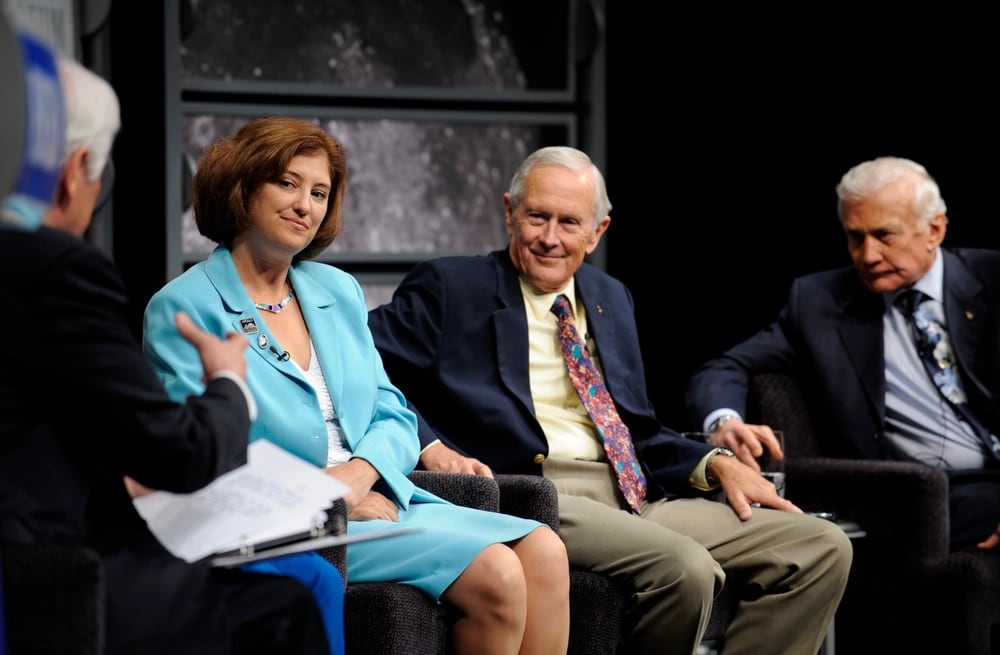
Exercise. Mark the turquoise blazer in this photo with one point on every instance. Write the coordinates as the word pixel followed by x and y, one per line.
pixel 375 422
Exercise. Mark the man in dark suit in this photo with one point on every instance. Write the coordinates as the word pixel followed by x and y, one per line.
pixel 83 416
pixel 474 346
pixel 849 339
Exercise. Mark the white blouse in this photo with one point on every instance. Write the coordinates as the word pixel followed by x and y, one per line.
pixel 336 453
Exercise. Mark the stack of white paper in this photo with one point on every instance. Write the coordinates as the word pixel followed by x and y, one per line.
pixel 274 495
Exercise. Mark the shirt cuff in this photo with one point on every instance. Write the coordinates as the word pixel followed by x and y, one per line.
pixel 247 394
pixel 698 477
pixel 429 445
pixel 711 418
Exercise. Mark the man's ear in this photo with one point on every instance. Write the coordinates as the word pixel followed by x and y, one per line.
pixel 595 237
pixel 74 173
pixel 508 213
pixel 938 228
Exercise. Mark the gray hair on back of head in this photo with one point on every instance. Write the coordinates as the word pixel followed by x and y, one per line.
pixel 93 114
pixel 565 157
pixel 869 177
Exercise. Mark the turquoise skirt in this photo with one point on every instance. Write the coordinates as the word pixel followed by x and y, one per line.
pixel 451 537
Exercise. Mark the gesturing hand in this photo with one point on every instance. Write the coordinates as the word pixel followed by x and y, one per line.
pixel 216 354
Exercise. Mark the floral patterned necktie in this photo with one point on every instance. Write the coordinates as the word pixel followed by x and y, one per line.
pixel 595 397
pixel 934 349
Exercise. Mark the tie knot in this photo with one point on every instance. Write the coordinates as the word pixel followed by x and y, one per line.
pixel 561 306
pixel 909 300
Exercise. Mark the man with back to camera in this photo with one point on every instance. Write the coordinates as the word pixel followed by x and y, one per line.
pixel 474 343
pixel 82 415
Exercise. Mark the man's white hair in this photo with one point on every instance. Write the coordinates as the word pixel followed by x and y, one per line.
pixel 93 115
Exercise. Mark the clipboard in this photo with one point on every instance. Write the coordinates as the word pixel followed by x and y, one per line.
pixel 250 554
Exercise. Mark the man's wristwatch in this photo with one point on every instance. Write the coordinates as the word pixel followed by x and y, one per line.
pixel 717 423
pixel 709 474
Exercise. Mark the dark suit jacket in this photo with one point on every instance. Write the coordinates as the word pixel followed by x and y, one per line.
pixel 455 340
pixel 79 408
pixel 829 335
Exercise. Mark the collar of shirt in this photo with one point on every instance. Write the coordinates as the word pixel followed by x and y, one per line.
pixel 540 304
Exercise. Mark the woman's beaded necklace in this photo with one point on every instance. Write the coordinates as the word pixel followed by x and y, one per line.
pixel 275 308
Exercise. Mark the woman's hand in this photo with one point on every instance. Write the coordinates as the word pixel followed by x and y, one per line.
pixel 374 506
pixel 359 476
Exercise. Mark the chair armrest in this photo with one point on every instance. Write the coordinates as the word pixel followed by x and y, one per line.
pixel 460 488
pixel 530 497
pixel 337 524
pixel 465 489
pixel 903 505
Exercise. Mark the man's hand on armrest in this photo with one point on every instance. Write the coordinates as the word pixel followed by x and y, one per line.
pixel 439 457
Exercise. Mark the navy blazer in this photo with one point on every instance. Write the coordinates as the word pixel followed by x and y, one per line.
pixel 829 335
pixel 80 407
pixel 454 338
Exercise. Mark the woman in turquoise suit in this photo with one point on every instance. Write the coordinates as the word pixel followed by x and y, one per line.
pixel 271 197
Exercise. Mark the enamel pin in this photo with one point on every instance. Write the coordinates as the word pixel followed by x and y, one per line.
pixel 249 326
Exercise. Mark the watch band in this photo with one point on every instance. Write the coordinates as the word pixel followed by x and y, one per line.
pixel 710 477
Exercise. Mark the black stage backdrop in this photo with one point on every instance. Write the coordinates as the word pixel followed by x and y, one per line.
pixel 727 135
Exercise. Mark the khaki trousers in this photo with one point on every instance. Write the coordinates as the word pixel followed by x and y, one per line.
pixel 677 553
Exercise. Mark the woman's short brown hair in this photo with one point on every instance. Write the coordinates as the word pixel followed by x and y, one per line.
pixel 234 168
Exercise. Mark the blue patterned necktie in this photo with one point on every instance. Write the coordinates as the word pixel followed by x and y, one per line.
pixel 595 397
pixel 934 348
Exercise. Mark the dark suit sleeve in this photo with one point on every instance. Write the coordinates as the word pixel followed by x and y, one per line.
pixel 407 332
pixel 88 373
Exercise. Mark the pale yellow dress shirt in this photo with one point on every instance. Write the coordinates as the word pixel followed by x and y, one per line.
pixel 570 432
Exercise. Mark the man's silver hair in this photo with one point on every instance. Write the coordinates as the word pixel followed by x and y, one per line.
pixel 566 157
pixel 93 115
pixel 869 177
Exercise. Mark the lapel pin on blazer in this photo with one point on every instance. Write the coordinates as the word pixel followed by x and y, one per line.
pixel 249 326
pixel 969 314
pixel 262 341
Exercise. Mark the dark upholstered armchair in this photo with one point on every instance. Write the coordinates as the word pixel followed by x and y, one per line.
pixel 387 619
pixel 53 599
pixel 383 618
pixel 906 593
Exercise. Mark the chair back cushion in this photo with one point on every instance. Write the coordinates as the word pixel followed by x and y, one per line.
pixel 776 399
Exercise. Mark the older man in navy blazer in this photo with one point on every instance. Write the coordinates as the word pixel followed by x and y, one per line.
pixel 474 346
pixel 851 344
